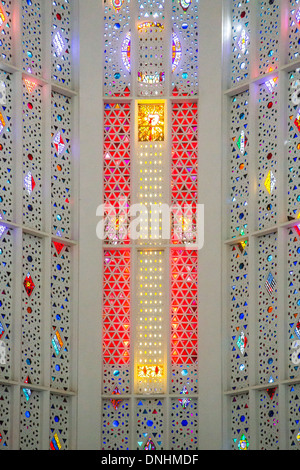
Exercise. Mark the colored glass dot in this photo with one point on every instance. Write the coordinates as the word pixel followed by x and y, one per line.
pixel 27 414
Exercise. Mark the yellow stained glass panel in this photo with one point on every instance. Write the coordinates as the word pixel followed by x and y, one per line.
pixel 151 122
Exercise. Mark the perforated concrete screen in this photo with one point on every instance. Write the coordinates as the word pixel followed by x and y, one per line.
pixel 119 330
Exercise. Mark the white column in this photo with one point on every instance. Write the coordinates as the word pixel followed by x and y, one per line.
pixel 89 288
pixel 210 194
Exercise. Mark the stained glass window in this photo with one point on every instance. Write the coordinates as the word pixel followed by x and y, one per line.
pixel 150 153
pixel 262 198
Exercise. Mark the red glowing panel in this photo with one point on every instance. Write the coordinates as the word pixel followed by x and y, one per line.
pixel 116 307
pixel 185 164
pixel 116 170
pixel 184 306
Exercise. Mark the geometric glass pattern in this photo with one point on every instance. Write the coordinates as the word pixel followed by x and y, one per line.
pixel 149 322
pixel 61 44
pixel 6 23
pixel 240 430
pixel 184 171
pixel 33 156
pixel 267 324
pixel 293 299
pixel 185 79
pixel 239 164
pixel 59 429
pixel 7 159
pixel 61 302
pixel 184 307
pixel 293 145
pixel 267 154
pixel 184 424
pixel 293 30
pixel 293 395
pixel 31 369
pixel 6 302
pixel 117 78
pixel 61 164
pixel 239 311
pixel 151 73
pixel 268 35
pixel 116 425
pixel 117 166
pixel 116 307
pixel 240 41
pixel 150 417
pixel 32 53
pixel 269 419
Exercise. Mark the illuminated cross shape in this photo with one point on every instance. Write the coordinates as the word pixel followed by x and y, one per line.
pixel 59 43
pixel 153 119
pixel 59 143
pixel 151 122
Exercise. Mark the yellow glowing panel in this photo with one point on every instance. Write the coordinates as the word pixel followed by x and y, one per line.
pixel 270 182
pixel 151 122
pixel 146 371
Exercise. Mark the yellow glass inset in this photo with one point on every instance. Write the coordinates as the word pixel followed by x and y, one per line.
pixel 146 371
pixel 270 182
pixel 151 119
